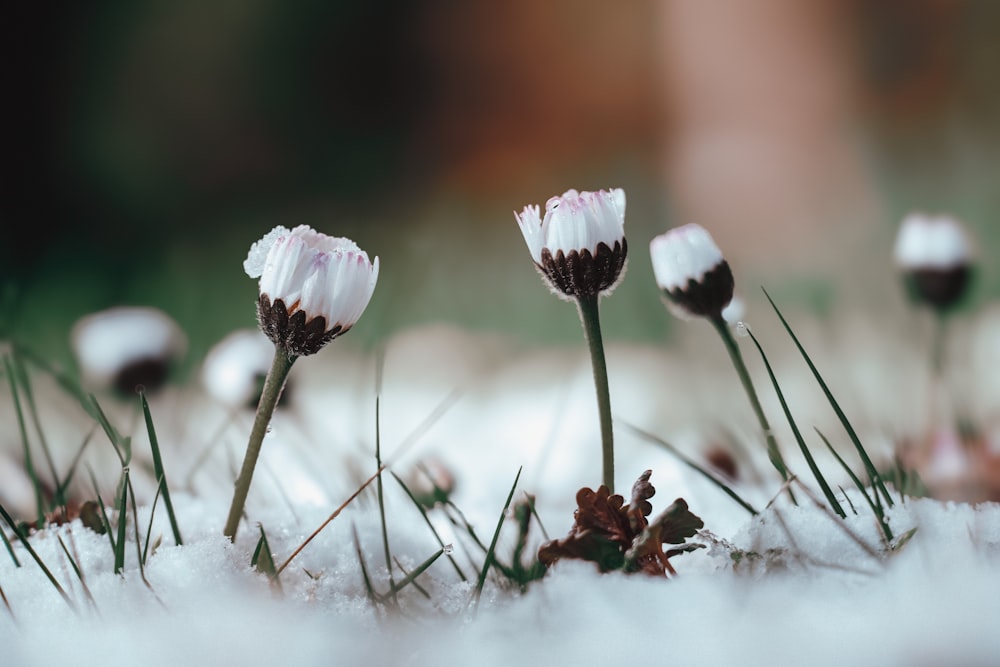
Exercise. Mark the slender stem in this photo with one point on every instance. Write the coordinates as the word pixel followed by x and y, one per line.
pixel 937 344
pixel 592 330
pixel 273 385
pixel 773 453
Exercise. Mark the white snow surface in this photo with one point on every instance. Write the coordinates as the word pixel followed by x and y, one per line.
pixel 794 585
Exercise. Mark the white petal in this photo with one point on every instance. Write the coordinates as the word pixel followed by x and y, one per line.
pixel 682 254
pixel 254 263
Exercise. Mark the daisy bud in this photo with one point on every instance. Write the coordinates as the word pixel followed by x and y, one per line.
pixel 235 369
pixel 127 347
pixel 579 246
pixel 935 256
pixel 691 272
pixel 313 287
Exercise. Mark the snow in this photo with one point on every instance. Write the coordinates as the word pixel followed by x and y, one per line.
pixel 804 586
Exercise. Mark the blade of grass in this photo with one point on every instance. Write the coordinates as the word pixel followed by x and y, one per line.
pixel 415 435
pixel 138 538
pixel 373 597
pixel 538 519
pixel 122 516
pixel 34 555
pixel 410 577
pixel 869 466
pixel 29 466
pixel 263 560
pixel 74 464
pixel 121 444
pixel 10 549
pixel 491 552
pixel 848 499
pixel 29 398
pixel 876 508
pixel 158 469
pixel 691 464
pixel 104 512
pixel 406 573
pixel 149 526
pixel 773 451
pixel 427 520
pixel 820 479
pixel 381 502
pixel 79 574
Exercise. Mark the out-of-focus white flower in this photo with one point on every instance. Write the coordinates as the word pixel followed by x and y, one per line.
pixel 691 271
pixel 235 368
pixel 579 246
pixel 127 347
pixel 313 287
pixel 936 255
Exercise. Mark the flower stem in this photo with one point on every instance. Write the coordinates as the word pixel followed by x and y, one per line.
pixel 592 330
pixel 773 453
pixel 273 385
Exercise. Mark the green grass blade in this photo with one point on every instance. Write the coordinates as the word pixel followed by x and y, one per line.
pixel 28 464
pixel 820 479
pixel 78 572
pixel 691 464
pixel 381 502
pixel 104 512
pixel 10 549
pixel 876 508
pixel 29 398
pixel 158 469
pixel 74 464
pixel 34 555
pixel 122 521
pixel 122 445
pixel 373 597
pixel 149 526
pixel 410 577
pixel 263 560
pixel 491 552
pixel 869 466
pixel 427 520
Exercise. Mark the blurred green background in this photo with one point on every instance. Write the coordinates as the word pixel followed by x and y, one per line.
pixel 153 142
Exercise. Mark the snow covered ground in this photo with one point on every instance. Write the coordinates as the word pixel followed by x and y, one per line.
pixel 794 585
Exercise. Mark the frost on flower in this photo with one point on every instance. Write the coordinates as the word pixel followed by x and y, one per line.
pixel 313 287
pixel 579 245
pixel 935 256
pixel 691 271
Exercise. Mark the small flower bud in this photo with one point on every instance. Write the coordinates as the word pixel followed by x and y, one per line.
pixel 691 272
pixel 935 256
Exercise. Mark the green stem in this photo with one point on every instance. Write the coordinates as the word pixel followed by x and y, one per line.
pixel 273 385
pixel 592 330
pixel 773 453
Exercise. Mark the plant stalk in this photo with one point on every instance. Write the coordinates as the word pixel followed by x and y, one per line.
pixel 773 453
pixel 273 385
pixel 592 331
